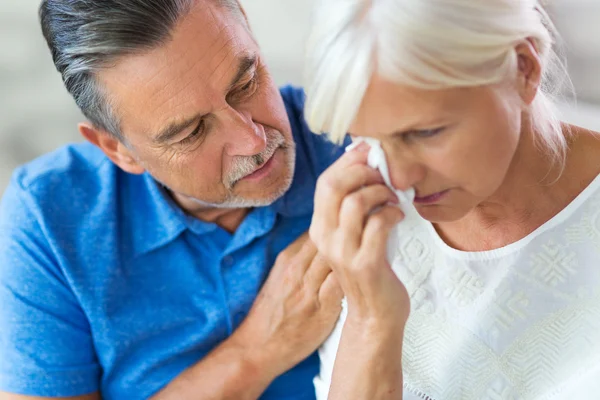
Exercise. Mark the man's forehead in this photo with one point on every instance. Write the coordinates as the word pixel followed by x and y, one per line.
pixel 199 60
pixel 206 37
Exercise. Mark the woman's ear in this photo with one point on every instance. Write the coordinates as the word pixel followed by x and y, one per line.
pixel 529 73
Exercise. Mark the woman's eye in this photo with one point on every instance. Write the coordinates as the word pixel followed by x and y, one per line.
pixel 426 133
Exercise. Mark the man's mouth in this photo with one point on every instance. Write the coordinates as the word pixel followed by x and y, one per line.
pixel 262 169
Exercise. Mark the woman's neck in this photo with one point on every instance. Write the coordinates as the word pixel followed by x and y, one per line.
pixel 535 190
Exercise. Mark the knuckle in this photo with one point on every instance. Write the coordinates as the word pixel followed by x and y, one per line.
pixel 314 233
pixel 354 156
pixel 301 239
pixel 338 261
pixel 378 221
pixel 320 260
pixel 284 258
pixel 323 246
pixel 360 262
pixel 393 216
pixel 327 184
pixel 357 264
pixel 356 203
pixel 364 174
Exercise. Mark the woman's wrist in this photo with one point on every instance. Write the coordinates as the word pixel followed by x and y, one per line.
pixel 370 327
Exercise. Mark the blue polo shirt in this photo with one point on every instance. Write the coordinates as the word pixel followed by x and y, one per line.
pixel 106 285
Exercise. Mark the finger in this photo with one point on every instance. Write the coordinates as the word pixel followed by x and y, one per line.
pixel 317 273
pixel 332 187
pixel 305 256
pixel 357 206
pixel 358 154
pixel 373 249
pixel 294 247
pixel 331 293
pixel 296 258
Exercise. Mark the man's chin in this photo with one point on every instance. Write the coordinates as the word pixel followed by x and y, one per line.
pixel 252 194
pixel 248 201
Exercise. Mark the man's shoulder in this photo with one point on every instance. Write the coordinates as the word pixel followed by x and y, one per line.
pixel 293 96
pixel 293 99
pixel 71 175
pixel 64 165
pixel 80 165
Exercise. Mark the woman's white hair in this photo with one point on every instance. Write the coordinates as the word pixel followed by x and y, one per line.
pixel 430 44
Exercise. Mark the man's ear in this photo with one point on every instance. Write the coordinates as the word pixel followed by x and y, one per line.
pixel 114 149
pixel 529 74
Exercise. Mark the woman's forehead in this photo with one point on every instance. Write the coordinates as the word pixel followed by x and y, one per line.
pixel 387 103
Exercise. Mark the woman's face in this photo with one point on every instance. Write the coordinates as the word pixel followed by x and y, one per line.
pixel 455 146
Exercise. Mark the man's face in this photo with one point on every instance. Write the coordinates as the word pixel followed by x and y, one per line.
pixel 202 115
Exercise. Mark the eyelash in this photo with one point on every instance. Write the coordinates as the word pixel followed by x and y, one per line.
pixel 189 138
pixel 244 90
pixel 249 87
pixel 424 134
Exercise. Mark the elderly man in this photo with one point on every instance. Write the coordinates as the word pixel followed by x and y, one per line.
pixel 157 262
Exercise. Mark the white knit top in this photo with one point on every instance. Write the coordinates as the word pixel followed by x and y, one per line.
pixel 519 322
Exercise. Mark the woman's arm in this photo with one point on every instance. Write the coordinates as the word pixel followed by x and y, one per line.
pixel 351 223
pixel 368 363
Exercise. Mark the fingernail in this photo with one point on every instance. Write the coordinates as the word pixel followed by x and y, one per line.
pixel 363 147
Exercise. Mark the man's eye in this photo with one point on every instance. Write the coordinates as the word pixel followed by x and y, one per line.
pixel 249 87
pixel 195 134
pixel 244 92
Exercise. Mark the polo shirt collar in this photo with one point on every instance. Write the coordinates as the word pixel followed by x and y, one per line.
pixel 157 220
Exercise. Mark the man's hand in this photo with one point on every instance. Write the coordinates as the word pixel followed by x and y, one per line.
pixel 293 314
pixel 295 310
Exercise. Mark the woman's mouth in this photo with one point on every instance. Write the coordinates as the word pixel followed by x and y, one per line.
pixel 431 199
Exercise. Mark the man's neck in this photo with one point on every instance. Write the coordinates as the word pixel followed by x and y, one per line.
pixel 227 218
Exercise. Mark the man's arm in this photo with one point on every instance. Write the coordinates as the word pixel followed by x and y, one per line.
pixel 46 347
pixel 293 314
pixel 230 371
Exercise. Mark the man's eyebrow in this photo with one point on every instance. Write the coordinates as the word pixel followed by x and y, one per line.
pixel 175 129
pixel 245 64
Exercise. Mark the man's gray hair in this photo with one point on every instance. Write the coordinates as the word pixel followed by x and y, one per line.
pixel 85 36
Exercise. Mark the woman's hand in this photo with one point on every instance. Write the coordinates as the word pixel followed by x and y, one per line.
pixel 354 214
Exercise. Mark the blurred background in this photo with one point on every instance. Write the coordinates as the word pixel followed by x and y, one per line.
pixel 37 115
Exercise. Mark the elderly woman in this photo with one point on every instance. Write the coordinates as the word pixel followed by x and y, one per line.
pixel 495 292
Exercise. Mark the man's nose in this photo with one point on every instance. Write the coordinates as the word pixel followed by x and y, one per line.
pixel 244 137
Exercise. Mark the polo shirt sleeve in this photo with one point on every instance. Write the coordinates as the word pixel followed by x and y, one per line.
pixel 321 151
pixel 46 347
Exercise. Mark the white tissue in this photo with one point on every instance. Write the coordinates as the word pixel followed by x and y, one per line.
pixel 377 160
